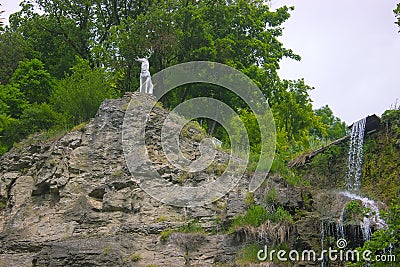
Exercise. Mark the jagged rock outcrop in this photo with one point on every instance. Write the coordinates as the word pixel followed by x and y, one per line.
pixel 71 201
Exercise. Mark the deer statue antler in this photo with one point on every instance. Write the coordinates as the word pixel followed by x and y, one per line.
pixel 150 52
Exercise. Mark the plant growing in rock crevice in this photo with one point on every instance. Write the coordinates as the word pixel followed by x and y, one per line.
pixel 249 199
pixel 187 242
pixel 271 196
pixel 135 257
pixel 190 227
pixel 3 204
pixel 264 226
pixel 216 168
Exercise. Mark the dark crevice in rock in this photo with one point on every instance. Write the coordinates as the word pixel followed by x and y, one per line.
pixel 9 188
pixel 118 185
pixel 97 193
pixel 47 191
pixel 41 189
pixel 113 208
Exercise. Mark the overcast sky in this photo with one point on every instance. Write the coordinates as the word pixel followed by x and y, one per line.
pixel 350 53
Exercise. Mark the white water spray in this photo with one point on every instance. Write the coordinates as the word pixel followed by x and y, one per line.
pixel 371 218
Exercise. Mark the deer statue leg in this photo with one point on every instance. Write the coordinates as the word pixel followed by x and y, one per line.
pixel 150 86
pixel 144 90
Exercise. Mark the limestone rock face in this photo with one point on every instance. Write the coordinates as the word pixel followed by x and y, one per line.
pixel 71 201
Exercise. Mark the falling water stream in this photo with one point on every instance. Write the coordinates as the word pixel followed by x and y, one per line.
pixel 355 159
pixel 353 184
pixel 371 218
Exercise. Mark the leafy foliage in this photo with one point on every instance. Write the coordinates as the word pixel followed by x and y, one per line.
pixel 14 49
pixel 383 150
pixel 62 47
pixel 257 215
pixel 39 117
pixel 334 127
pixel 385 241
pixel 397 14
pixel 254 216
pixel 12 101
pixel 248 254
pixel 80 94
pixel 33 81
pixel 1 19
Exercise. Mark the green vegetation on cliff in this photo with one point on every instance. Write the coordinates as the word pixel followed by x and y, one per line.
pixel 56 70
pixel 381 166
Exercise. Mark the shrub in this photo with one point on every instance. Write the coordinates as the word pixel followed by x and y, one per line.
pixel 164 235
pixel 254 216
pixel 279 215
pixel 257 215
pixel 80 94
pixel 248 254
pixel 249 198
pixel 271 196
pixel 190 227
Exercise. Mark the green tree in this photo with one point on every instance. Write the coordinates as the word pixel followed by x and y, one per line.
pixel 397 14
pixel 84 25
pixel 33 81
pixel 1 19
pixel 335 128
pixel 5 122
pixel 293 113
pixel 242 34
pixel 13 49
pixel 80 94
pixel 18 118
pixel 40 32
pixel 12 101
pixel 12 105
pixel 38 117
pixel 152 26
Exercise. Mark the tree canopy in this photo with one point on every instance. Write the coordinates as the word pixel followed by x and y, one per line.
pixel 61 59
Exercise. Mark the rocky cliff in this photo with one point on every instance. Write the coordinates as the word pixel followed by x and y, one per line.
pixel 70 200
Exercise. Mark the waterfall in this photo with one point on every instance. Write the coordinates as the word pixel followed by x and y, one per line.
pixel 339 225
pixel 353 184
pixel 371 217
pixel 355 158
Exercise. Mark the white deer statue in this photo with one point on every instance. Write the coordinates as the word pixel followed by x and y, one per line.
pixel 146 85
